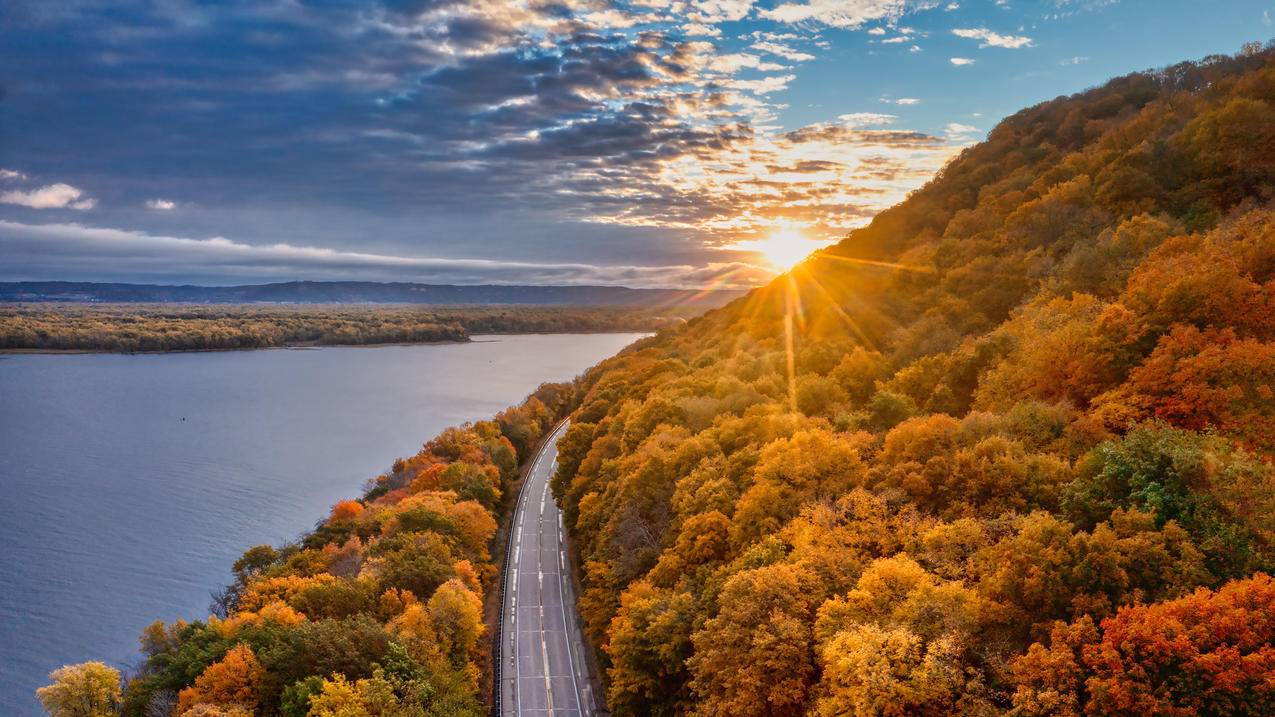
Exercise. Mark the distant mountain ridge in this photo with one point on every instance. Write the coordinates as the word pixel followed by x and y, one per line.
pixel 345 292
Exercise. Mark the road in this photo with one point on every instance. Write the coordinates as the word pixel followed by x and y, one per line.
pixel 542 665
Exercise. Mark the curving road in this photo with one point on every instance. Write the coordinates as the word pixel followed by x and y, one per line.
pixel 542 665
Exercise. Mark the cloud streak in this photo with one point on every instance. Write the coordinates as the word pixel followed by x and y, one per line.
pixel 993 39
pixel 656 120
pixel 841 13
pixel 70 250
pixel 50 196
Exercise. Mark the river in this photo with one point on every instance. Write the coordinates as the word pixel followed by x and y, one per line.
pixel 129 484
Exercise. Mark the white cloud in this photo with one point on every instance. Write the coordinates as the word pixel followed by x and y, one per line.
pixel 1073 60
pixel 713 11
pixel 762 86
pixel 907 101
pixel 993 39
pixel 9 174
pixel 730 64
pixel 956 131
pixel 698 29
pixel 70 249
pixel 961 61
pixel 877 31
pixel 841 13
pixel 52 196
pixel 783 51
pixel 161 204
pixel 866 119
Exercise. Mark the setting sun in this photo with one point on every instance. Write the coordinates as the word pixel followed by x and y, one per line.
pixel 783 249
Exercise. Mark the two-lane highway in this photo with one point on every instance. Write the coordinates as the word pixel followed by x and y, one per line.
pixel 542 664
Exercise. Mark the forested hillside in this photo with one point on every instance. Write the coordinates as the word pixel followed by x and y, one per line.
pixel 1007 450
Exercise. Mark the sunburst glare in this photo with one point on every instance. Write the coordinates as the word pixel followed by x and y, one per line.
pixel 784 248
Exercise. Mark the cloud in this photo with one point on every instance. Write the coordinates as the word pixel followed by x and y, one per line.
pixel 866 119
pixel 841 13
pixel 783 51
pixel 1073 61
pixel 993 39
pixel 697 29
pixel 417 121
pixel 956 131
pixel 734 62
pixel 907 101
pixel 11 174
pixel 716 10
pixel 60 250
pixel 51 196
pixel 763 86
pixel 961 61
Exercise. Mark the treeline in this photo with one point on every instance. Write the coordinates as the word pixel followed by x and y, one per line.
pixel 1007 450
pixel 378 611
pixel 184 327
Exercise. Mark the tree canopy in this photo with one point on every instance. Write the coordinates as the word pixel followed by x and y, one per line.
pixel 1006 450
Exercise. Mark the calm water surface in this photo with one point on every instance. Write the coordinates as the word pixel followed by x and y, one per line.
pixel 129 484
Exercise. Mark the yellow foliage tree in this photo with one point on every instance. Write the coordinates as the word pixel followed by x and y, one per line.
pixel 457 616
pixel 89 689
pixel 870 671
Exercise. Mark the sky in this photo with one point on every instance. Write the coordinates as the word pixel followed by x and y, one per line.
pixel 639 143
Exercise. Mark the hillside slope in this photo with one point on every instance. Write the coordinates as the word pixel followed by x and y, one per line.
pixel 1006 449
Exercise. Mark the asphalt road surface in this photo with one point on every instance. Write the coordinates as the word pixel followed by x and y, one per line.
pixel 543 669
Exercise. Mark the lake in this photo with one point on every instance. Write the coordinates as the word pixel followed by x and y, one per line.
pixel 129 484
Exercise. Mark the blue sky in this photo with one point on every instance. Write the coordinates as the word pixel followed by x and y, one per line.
pixel 645 143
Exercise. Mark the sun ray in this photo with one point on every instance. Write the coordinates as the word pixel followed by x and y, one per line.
pixel 883 264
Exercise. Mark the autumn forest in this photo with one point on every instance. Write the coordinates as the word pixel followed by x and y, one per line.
pixel 1008 450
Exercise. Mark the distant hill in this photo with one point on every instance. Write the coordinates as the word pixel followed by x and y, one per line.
pixel 351 292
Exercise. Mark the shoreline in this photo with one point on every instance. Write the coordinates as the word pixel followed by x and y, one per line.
pixel 309 346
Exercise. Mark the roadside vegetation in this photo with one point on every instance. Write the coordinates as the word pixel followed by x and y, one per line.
pixel 205 327
pixel 377 611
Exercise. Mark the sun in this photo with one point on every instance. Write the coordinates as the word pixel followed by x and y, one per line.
pixel 783 249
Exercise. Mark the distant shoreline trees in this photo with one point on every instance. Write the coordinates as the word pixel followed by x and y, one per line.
pixel 128 328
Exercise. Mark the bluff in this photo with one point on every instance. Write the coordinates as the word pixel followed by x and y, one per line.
pixel 1007 449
